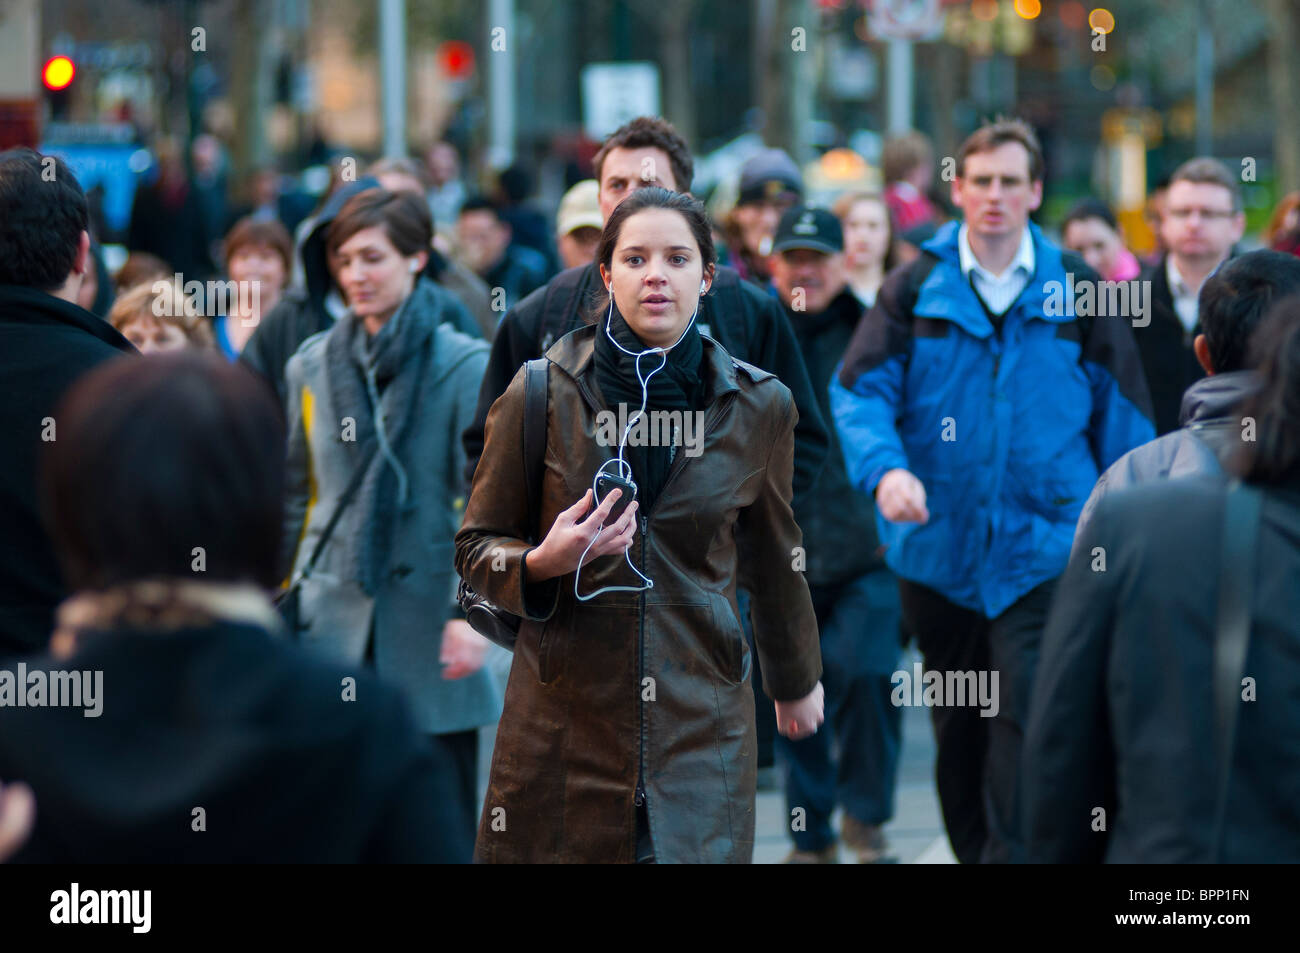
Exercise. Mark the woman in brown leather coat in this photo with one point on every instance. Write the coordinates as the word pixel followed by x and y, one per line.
pixel 628 731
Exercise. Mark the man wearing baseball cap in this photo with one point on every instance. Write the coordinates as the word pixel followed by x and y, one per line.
pixel 578 224
pixel 770 183
pixel 855 596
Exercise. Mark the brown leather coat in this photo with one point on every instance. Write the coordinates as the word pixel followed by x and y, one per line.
pixel 646 691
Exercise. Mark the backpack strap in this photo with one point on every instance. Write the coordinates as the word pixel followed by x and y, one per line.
pixel 559 307
pixel 1241 517
pixel 536 398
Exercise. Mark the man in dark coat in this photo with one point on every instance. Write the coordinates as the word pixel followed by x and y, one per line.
pixel 1202 220
pixel 314 307
pixel 1232 303
pixel 46 342
pixel 853 762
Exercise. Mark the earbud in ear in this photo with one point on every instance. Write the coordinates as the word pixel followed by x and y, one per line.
pixel 703 287
pixel 415 266
pixel 610 287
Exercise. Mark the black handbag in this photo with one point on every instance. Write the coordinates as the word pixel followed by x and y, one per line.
pixel 488 619
pixel 288 602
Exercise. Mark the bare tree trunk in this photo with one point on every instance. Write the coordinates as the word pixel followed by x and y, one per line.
pixel 1283 78
pixel 675 61
pixel 251 88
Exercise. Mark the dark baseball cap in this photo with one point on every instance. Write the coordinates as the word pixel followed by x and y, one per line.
pixel 769 175
pixel 814 228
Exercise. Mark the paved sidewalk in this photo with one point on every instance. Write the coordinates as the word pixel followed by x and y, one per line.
pixel 916 832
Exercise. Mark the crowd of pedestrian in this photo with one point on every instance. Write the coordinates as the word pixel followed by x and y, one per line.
pixel 838 432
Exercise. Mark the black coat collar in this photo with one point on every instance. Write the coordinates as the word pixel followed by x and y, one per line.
pixel 23 305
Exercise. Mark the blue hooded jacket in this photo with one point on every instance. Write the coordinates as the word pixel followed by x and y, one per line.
pixel 1007 431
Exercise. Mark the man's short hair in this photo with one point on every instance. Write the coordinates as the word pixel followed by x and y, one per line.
pixel 998 133
pixel 43 212
pixel 159 455
pixel 651 132
pixel 903 153
pixel 1207 171
pixel 482 203
pixel 1234 300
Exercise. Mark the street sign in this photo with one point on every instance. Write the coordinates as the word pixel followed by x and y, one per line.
pixel 614 93
pixel 906 19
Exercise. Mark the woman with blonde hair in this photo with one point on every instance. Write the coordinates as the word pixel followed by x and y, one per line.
pixel 156 319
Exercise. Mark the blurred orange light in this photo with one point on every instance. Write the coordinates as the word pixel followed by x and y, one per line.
pixel 1073 14
pixel 1101 19
pixel 58 73
pixel 1029 9
pixel 984 9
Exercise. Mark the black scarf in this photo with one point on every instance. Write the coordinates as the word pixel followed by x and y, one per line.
pixel 679 386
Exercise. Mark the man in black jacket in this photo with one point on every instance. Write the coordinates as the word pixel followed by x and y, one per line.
pixel 1233 301
pixel 46 343
pixel 746 321
pixel 854 594
pixel 1202 220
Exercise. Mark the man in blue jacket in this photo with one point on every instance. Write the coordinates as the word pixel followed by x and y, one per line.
pixel 978 401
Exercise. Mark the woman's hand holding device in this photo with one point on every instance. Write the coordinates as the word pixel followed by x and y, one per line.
pixel 563 546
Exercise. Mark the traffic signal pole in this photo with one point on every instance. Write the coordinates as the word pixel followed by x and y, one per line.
pixel 20 67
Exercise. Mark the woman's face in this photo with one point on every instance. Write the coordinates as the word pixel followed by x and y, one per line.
pixel 374 276
pixel 656 270
pixel 151 336
pixel 1096 242
pixel 866 234
pixel 254 263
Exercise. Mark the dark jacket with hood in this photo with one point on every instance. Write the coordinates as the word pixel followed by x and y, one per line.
pixel 838 521
pixel 1211 432
pixel 1123 714
pixel 301 312
pixel 46 343
pixel 744 319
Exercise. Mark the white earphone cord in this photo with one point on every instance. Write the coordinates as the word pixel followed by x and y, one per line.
pixel 624 468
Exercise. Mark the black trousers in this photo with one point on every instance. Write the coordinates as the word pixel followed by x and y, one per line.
pixel 978 762
pixel 455 758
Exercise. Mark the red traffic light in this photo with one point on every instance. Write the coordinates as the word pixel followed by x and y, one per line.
pixel 58 73
pixel 456 59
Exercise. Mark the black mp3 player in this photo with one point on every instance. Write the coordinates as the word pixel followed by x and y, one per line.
pixel 609 481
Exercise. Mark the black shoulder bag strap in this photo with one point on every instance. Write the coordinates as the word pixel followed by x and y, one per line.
pixel 535 427
pixel 349 492
pixel 1241 514
pixel 556 322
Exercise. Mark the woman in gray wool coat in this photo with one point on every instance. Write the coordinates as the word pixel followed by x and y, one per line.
pixel 389 388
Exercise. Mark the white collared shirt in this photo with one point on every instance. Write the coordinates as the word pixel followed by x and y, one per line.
pixel 1183 294
pixel 999 292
